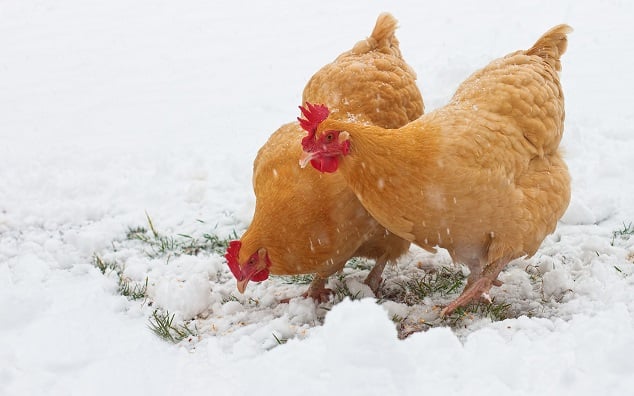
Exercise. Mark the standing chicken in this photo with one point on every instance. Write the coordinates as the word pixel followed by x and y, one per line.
pixel 481 177
pixel 309 223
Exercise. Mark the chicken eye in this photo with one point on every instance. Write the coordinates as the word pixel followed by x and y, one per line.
pixel 330 136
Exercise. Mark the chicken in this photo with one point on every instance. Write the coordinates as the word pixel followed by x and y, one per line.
pixel 371 83
pixel 309 223
pixel 481 177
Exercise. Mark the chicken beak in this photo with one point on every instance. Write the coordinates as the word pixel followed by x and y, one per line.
pixel 306 158
pixel 242 285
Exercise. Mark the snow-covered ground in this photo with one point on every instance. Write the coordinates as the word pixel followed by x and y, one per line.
pixel 111 110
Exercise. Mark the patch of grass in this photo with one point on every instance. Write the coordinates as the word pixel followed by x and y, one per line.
pixel 216 244
pixel 179 244
pixel 342 291
pixel 397 319
pixel 414 290
pixel 231 297
pixel 162 324
pixel 493 310
pixel 127 288
pixel 296 279
pixel 280 341
pixel 140 233
pixel 358 263
pixel 136 291
pixel 103 265
pixel 623 233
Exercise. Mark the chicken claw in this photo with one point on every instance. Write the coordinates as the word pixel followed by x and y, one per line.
pixel 320 296
pixel 317 291
pixel 476 290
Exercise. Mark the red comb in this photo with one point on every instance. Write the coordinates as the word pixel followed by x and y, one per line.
pixel 314 114
pixel 232 258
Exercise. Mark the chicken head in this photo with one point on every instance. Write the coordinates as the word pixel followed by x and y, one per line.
pixel 255 268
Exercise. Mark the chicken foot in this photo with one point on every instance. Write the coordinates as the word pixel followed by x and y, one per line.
pixel 317 290
pixel 478 286
pixel 374 279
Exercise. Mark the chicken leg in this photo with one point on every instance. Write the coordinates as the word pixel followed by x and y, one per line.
pixel 478 285
pixel 317 290
pixel 374 280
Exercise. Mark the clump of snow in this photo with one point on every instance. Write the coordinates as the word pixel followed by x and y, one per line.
pixel 395 309
pixel 556 284
pixel 578 213
pixel 359 289
pixel 190 296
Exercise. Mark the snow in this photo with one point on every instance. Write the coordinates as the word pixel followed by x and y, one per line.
pixel 112 110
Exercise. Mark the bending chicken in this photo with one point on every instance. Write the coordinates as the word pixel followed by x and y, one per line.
pixel 309 223
pixel 481 177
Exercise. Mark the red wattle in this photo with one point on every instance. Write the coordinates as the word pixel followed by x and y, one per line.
pixel 260 276
pixel 325 164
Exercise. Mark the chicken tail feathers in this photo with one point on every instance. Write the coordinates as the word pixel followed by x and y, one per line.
pixel 552 45
pixel 384 29
pixel 382 37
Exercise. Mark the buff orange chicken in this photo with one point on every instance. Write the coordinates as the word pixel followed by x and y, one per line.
pixel 310 223
pixel 482 177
